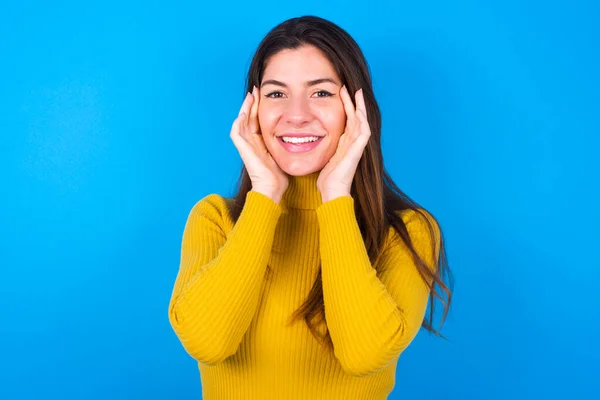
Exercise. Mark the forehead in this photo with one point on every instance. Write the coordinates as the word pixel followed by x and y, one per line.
pixel 299 65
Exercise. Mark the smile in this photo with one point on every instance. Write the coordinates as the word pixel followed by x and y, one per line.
pixel 299 147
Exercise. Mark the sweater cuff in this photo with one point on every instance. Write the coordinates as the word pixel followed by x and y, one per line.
pixel 337 216
pixel 260 209
pixel 338 205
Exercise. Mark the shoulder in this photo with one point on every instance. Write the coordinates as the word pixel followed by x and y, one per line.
pixel 419 222
pixel 422 228
pixel 212 207
pixel 212 203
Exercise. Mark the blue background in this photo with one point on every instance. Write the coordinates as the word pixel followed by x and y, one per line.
pixel 114 121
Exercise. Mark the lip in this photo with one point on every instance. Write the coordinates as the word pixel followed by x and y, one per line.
pixel 300 135
pixel 300 147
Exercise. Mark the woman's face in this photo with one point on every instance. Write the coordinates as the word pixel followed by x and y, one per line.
pixel 300 96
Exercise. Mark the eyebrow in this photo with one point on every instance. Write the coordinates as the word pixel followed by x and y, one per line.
pixel 307 84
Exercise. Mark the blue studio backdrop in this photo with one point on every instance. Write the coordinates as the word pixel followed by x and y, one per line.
pixel 114 122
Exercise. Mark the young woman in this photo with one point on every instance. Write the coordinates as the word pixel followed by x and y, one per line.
pixel 313 279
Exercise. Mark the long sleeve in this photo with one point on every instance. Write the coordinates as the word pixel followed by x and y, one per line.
pixel 217 289
pixel 371 319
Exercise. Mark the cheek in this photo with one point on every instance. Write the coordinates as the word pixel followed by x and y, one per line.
pixel 267 117
pixel 334 120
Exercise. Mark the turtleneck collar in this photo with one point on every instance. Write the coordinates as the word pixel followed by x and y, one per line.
pixel 302 193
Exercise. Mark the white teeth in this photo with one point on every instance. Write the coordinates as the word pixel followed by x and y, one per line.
pixel 299 140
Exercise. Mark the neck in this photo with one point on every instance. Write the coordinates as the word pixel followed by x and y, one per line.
pixel 302 192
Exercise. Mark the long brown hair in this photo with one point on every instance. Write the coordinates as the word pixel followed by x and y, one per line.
pixel 378 199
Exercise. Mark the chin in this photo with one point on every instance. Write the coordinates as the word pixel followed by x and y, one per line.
pixel 301 170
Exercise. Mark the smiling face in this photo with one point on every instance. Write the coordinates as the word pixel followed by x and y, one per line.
pixel 300 96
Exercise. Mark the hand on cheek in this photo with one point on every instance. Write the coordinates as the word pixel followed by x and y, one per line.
pixel 264 172
pixel 335 179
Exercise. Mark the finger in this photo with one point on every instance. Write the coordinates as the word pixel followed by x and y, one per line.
pixel 236 127
pixel 360 101
pixel 259 143
pixel 244 130
pixel 253 119
pixel 245 109
pixel 239 131
pixel 361 113
pixel 245 112
pixel 247 147
pixel 363 124
pixel 348 108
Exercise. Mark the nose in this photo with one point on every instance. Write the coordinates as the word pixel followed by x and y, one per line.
pixel 297 111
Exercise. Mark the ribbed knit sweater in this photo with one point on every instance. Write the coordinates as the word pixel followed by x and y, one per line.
pixel 230 311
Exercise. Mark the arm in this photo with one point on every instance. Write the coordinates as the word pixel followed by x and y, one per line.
pixel 371 320
pixel 218 285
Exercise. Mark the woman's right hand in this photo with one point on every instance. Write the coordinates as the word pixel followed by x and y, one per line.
pixel 265 174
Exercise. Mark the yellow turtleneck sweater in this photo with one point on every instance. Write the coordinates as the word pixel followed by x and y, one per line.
pixel 230 312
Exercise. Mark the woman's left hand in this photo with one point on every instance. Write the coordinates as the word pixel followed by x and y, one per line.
pixel 335 179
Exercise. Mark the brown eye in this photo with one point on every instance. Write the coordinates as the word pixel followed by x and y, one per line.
pixel 324 93
pixel 274 95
